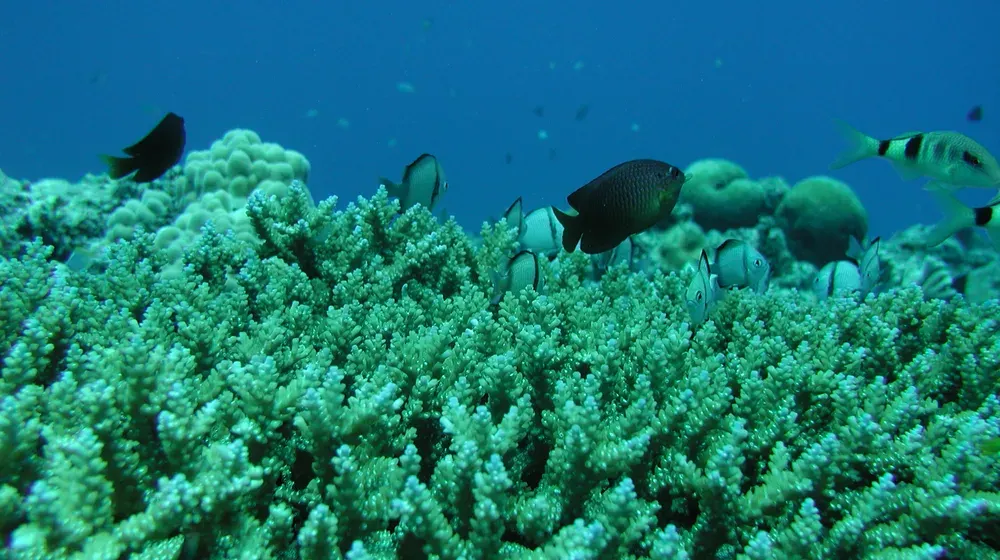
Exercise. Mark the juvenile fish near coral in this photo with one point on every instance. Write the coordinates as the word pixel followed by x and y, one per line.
pixel 951 158
pixel 702 292
pixel 837 278
pixel 627 199
pixel 738 264
pixel 958 216
pixel 869 263
pixel 542 232
pixel 620 255
pixel 521 271
pixel 423 183
pixel 152 156
pixel 515 216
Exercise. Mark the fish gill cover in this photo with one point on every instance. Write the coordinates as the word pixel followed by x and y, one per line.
pixel 239 371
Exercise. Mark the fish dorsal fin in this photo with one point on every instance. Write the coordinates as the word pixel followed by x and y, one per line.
pixel 167 126
pixel 421 160
pixel 704 267
pixel 515 216
pixel 726 245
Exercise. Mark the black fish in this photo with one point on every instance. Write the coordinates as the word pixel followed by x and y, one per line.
pixel 508 158
pixel 152 156
pixel 627 199
pixel 582 111
pixel 975 114
pixel 539 111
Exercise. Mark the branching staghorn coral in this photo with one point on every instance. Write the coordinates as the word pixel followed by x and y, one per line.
pixel 345 389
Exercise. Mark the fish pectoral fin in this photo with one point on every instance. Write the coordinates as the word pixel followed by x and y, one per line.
pixel 906 171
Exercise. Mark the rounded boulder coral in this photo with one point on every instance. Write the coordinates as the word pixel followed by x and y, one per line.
pixel 722 195
pixel 819 215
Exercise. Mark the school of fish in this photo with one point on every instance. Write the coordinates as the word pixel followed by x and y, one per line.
pixel 635 195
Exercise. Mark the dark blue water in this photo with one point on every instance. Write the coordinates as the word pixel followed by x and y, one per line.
pixel 754 82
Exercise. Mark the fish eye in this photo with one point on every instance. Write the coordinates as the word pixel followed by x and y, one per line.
pixel 699 297
pixel 971 159
pixel 758 263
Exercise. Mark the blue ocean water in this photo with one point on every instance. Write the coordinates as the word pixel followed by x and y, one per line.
pixel 754 82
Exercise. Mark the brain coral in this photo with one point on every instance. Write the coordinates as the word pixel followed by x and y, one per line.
pixel 818 215
pixel 722 195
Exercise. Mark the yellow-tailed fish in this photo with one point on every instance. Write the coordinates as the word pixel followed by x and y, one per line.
pixel 958 216
pixel 951 158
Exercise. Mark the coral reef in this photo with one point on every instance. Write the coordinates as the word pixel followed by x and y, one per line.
pixel 325 383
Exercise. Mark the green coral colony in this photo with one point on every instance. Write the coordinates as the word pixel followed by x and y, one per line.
pixel 237 371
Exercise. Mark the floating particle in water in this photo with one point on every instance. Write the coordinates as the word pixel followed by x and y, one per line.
pixel 552 65
pixel 578 65
pixel 543 135
pixel 539 111
pixel 508 158
pixel 718 63
pixel 582 111
pixel 312 113
pixel 343 123
pixel 391 143
pixel 405 87
pixel 634 127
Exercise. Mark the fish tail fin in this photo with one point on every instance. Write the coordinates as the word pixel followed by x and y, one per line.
pixel 860 145
pixel 957 216
pixel 572 229
pixel 119 167
pixel 393 188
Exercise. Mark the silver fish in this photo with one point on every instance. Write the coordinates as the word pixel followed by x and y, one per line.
pixel 620 255
pixel 522 271
pixel 423 183
pixel 738 264
pixel 951 158
pixel 703 291
pixel 542 232
pixel 837 278
pixel 869 263
pixel 515 217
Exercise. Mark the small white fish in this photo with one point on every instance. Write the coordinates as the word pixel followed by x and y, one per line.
pixel 515 216
pixel 423 183
pixel 737 264
pixel 620 255
pixel 837 278
pixel 703 291
pixel 951 158
pixel 542 232
pixel 522 271
pixel 958 216
pixel 869 263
